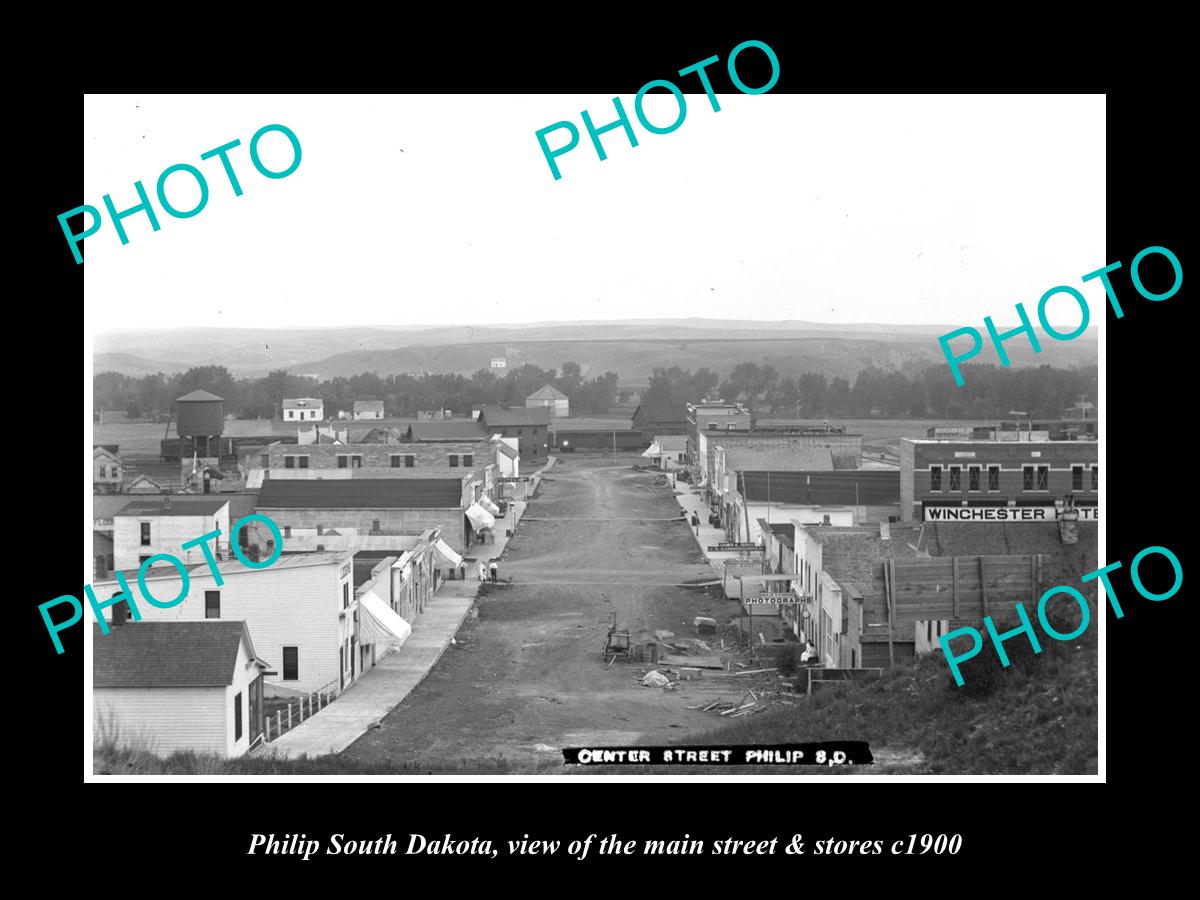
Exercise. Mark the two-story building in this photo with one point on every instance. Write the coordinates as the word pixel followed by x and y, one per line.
pixel 997 481
pixel 107 469
pixel 304 409
pixel 531 428
pixel 300 612
pixel 144 528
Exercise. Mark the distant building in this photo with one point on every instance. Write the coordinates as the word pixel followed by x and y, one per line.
pixel 176 686
pixel 552 399
pixel 368 409
pixel 322 434
pixel 661 417
pixel 531 427
pixel 499 362
pixel 145 528
pixel 668 451
pixel 143 484
pixel 305 409
pixel 102 554
pixel 107 470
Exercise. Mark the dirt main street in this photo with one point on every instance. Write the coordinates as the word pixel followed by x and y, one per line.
pixel 526 676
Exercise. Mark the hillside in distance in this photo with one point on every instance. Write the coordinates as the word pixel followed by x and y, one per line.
pixel 634 360
pixel 632 349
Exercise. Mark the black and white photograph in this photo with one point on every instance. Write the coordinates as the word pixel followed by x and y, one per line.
pixel 532 436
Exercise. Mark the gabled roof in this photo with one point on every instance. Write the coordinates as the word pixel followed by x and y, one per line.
pixel 661 411
pixel 198 395
pixel 549 392
pixel 368 405
pixel 168 654
pixel 303 403
pixel 455 430
pixel 149 508
pixel 362 493
pixel 496 416
pixel 98 450
pixel 507 450
pixel 671 443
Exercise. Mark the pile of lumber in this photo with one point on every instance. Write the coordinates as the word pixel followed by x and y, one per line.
pixel 748 705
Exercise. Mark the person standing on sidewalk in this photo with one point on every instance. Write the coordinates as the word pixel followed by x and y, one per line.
pixel 482 571
pixel 495 569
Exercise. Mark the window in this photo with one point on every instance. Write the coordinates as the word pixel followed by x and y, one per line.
pixel 343 462
pixel 289 462
pixel 304 462
pixel 409 461
pixel 993 478
pixel 956 478
pixel 454 460
pixel 729 427
pixel 237 716
pixel 1077 478
pixel 291 663
pixel 935 478
pixel 712 425
pixel 287 530
pixel 1043 478
pixel 320 529
pixel 356 461
pixel 345 595
pixel 395 460
pixel 145 534
pixel 468 459
pixel 141 560
pixel 972 478
pixel 1027 478
pixel 825 520
pixel 313 414
pixel 212 604
pixel 375 526
pixel 1096 477
pixel 103 471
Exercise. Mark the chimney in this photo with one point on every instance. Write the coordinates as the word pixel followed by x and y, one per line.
pixel 120 613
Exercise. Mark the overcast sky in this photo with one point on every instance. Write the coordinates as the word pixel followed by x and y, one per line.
pixel 427 210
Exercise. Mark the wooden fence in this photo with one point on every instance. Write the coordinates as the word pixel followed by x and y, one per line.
pixel 284 720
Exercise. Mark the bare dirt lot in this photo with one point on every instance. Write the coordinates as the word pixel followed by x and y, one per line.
pixel 526 677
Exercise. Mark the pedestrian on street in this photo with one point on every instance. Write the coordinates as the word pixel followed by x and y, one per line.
pixel 495 569
pixel 482 571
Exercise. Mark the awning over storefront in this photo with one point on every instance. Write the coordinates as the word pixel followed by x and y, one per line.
pixel 487 504
pixel 653 451
pixel 447 553
pixel 378 623
pixel 480 517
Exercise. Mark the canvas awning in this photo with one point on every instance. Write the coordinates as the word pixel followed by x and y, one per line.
pixel 487 504
pixel 480 517
pixel 378 623
pixel 447 553
pixel 653 451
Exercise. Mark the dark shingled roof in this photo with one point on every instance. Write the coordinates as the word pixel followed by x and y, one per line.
pixel 495 416
pixel 166 654
pixel 198 395
pixel 874 488
pixel 461 430
pixel 362 493
pixel 158 508
pixel 661 411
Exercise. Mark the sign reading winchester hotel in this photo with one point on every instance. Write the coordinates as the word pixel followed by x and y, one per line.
pixel 1007 513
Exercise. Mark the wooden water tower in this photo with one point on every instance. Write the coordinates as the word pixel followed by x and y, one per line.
pixel 199 421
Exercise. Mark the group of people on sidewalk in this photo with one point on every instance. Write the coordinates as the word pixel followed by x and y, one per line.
pixel 485 569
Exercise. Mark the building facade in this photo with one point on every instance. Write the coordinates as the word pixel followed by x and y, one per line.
pixel 550 398
pixel 145 528
pixel 108 472
pixel 368 409
pixel 997 481
pixel 531 428
pixel 177 686
pixel 304 409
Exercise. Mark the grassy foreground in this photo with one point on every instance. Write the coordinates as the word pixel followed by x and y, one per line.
pixel 1037 717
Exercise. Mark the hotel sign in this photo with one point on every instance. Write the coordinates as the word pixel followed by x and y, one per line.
pixel 1006 513
pixel 734 547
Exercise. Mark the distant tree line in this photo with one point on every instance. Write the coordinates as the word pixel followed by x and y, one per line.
pixel 990 392
pixel 402 395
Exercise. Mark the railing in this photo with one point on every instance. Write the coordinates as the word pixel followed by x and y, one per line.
pixel 284 720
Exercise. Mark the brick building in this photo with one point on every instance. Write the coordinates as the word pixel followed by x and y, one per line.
pixel 997 481
pixel 409 459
